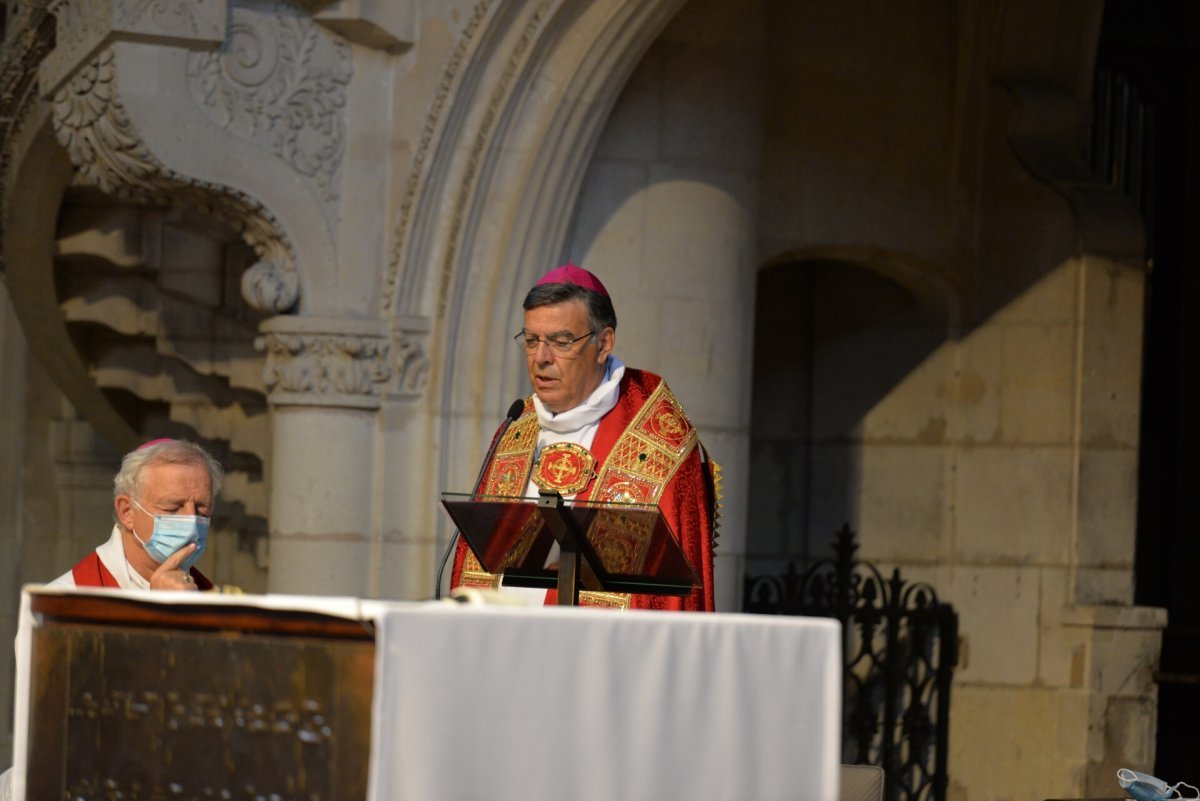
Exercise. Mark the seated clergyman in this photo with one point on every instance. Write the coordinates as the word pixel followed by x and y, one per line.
pixel 162 499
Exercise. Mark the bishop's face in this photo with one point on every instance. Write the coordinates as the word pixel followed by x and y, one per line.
pixel 563 378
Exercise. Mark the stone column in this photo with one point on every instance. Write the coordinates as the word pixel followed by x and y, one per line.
pixel 324 378
pixel 327 379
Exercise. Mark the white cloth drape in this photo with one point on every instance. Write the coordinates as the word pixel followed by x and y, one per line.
pixel 528 704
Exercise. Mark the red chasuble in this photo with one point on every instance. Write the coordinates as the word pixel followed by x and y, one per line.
pixel 91 572
pixel 646 451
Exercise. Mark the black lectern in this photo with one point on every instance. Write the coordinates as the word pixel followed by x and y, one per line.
pixel 613 547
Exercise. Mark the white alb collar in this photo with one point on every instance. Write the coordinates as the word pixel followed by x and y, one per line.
pixel 598 404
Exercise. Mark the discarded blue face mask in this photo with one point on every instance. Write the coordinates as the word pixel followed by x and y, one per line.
pixel 172 532
pixel 1144 787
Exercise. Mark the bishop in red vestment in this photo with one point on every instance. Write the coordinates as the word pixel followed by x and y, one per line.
pixel 634 438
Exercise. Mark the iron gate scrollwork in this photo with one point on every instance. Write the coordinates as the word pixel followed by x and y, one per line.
pixel 899 652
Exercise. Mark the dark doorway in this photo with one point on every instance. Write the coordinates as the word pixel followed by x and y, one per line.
pixel 1149 50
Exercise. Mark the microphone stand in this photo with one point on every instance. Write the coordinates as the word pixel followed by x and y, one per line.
pixel 514 411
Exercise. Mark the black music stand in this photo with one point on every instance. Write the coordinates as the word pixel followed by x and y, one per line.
pixel 612 547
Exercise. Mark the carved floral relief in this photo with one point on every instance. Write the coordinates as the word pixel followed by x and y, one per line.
pixel 95 129
pixel 280 80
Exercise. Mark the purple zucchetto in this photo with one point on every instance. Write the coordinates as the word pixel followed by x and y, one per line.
pixel 573 274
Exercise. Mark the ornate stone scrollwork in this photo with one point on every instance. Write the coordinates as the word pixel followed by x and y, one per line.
pixel 279 81
pixel 94 127
pixel 107 150
pixel 30 37
pixel 268 287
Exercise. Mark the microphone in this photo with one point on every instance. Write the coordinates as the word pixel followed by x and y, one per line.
pixel 514 411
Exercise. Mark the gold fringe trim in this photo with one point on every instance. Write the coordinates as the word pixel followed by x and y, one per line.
pixel 718 495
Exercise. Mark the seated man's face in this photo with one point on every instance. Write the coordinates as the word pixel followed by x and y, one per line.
pixel 167 489
pixel 563 380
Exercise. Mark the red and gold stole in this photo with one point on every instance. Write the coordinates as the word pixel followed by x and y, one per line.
pixel 640 445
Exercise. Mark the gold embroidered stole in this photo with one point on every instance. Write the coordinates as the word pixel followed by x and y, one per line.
pixel 508 475
pixel 641 463
pixel 648 452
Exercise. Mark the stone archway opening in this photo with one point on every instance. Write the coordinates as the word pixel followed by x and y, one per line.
pixel 845 359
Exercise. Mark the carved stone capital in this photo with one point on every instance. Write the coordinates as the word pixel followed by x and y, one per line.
pixel 85 27
pixel 409 356
pixel 350 363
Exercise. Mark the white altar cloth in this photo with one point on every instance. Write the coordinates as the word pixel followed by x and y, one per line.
pixel 516 704
pixel 503 704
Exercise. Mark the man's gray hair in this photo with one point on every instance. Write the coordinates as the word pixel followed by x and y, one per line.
pixel 168 451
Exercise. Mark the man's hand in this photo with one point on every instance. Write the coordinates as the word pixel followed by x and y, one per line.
pixel 169 576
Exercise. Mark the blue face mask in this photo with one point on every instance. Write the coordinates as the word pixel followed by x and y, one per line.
pixel 1144 787
pixel 172 532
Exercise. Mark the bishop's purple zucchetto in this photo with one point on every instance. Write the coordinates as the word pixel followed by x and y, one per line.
pixel 573 274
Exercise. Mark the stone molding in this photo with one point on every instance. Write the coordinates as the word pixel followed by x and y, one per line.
pixel 85 27
pixel 388 25
pixel 31 38
pixel 498 135
pixel 313 361
pixel 422 158
pixel 1112 616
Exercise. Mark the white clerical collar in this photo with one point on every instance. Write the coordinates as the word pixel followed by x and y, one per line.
pixel 598 404
pixel 112 554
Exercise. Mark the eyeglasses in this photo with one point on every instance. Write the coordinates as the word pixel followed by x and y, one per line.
pixel 559 343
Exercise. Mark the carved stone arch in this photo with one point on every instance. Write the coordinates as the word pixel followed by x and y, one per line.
pixel 39 175
pixel 936 289
pixel 533 85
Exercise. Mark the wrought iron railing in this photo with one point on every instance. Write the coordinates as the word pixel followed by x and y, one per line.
pixel 899 652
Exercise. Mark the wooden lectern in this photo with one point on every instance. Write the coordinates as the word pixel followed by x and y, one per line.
pixel 141 701
pixel 611 547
